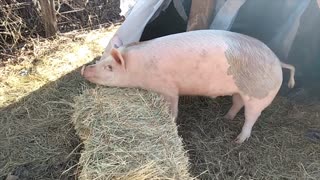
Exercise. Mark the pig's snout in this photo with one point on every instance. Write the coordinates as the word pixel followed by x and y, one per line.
pixel 88 71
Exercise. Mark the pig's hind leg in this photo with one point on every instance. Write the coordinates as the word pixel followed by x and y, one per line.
pixel 251 116
pixel 237 104
pixel 253 109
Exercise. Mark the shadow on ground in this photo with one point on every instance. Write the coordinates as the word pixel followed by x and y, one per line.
pixel 37 138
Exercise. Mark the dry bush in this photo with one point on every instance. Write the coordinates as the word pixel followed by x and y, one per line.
pixel 20 21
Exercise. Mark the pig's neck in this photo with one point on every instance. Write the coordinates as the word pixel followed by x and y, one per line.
pixel 138 74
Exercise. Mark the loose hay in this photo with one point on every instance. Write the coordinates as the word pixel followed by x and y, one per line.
pixel 277 149
pixel 128 134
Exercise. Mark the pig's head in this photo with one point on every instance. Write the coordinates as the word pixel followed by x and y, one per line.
pixel 110 71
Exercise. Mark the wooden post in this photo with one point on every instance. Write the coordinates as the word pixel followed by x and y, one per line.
pixel 201 14
pixel 49 18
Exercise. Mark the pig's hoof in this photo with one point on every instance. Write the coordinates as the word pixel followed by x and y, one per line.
pixel 241 138
pixel 228 117
pixel 291 84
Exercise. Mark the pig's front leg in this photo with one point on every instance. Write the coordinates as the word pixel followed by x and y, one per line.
pixel 173 101
pixel 237 104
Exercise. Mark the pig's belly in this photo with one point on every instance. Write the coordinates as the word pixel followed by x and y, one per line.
pixel 208 78
pixel 213 87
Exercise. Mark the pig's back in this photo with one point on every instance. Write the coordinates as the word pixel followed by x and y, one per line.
pixel 231 42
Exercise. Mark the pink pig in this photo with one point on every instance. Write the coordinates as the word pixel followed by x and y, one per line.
pixel 200 63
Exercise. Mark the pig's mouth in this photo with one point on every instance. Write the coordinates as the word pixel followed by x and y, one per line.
pixel 90 76
pixel 87 75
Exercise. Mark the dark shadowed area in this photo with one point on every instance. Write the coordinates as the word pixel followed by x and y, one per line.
pixel 263 20
pixel 37 139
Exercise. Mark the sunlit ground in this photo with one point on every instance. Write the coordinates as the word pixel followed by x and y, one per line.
pixel 49 61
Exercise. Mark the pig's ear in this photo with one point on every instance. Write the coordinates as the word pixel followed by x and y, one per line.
pixel 117 56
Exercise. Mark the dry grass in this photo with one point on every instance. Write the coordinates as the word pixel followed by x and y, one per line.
pixel 128 134
pixel 278 148
pixel 48 61
pixel 36 137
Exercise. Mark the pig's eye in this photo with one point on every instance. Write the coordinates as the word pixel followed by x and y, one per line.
pixel 108 67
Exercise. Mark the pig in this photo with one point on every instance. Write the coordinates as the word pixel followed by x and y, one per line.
pixel 208 63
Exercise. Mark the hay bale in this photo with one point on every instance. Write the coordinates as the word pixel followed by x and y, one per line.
pixel 128 134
